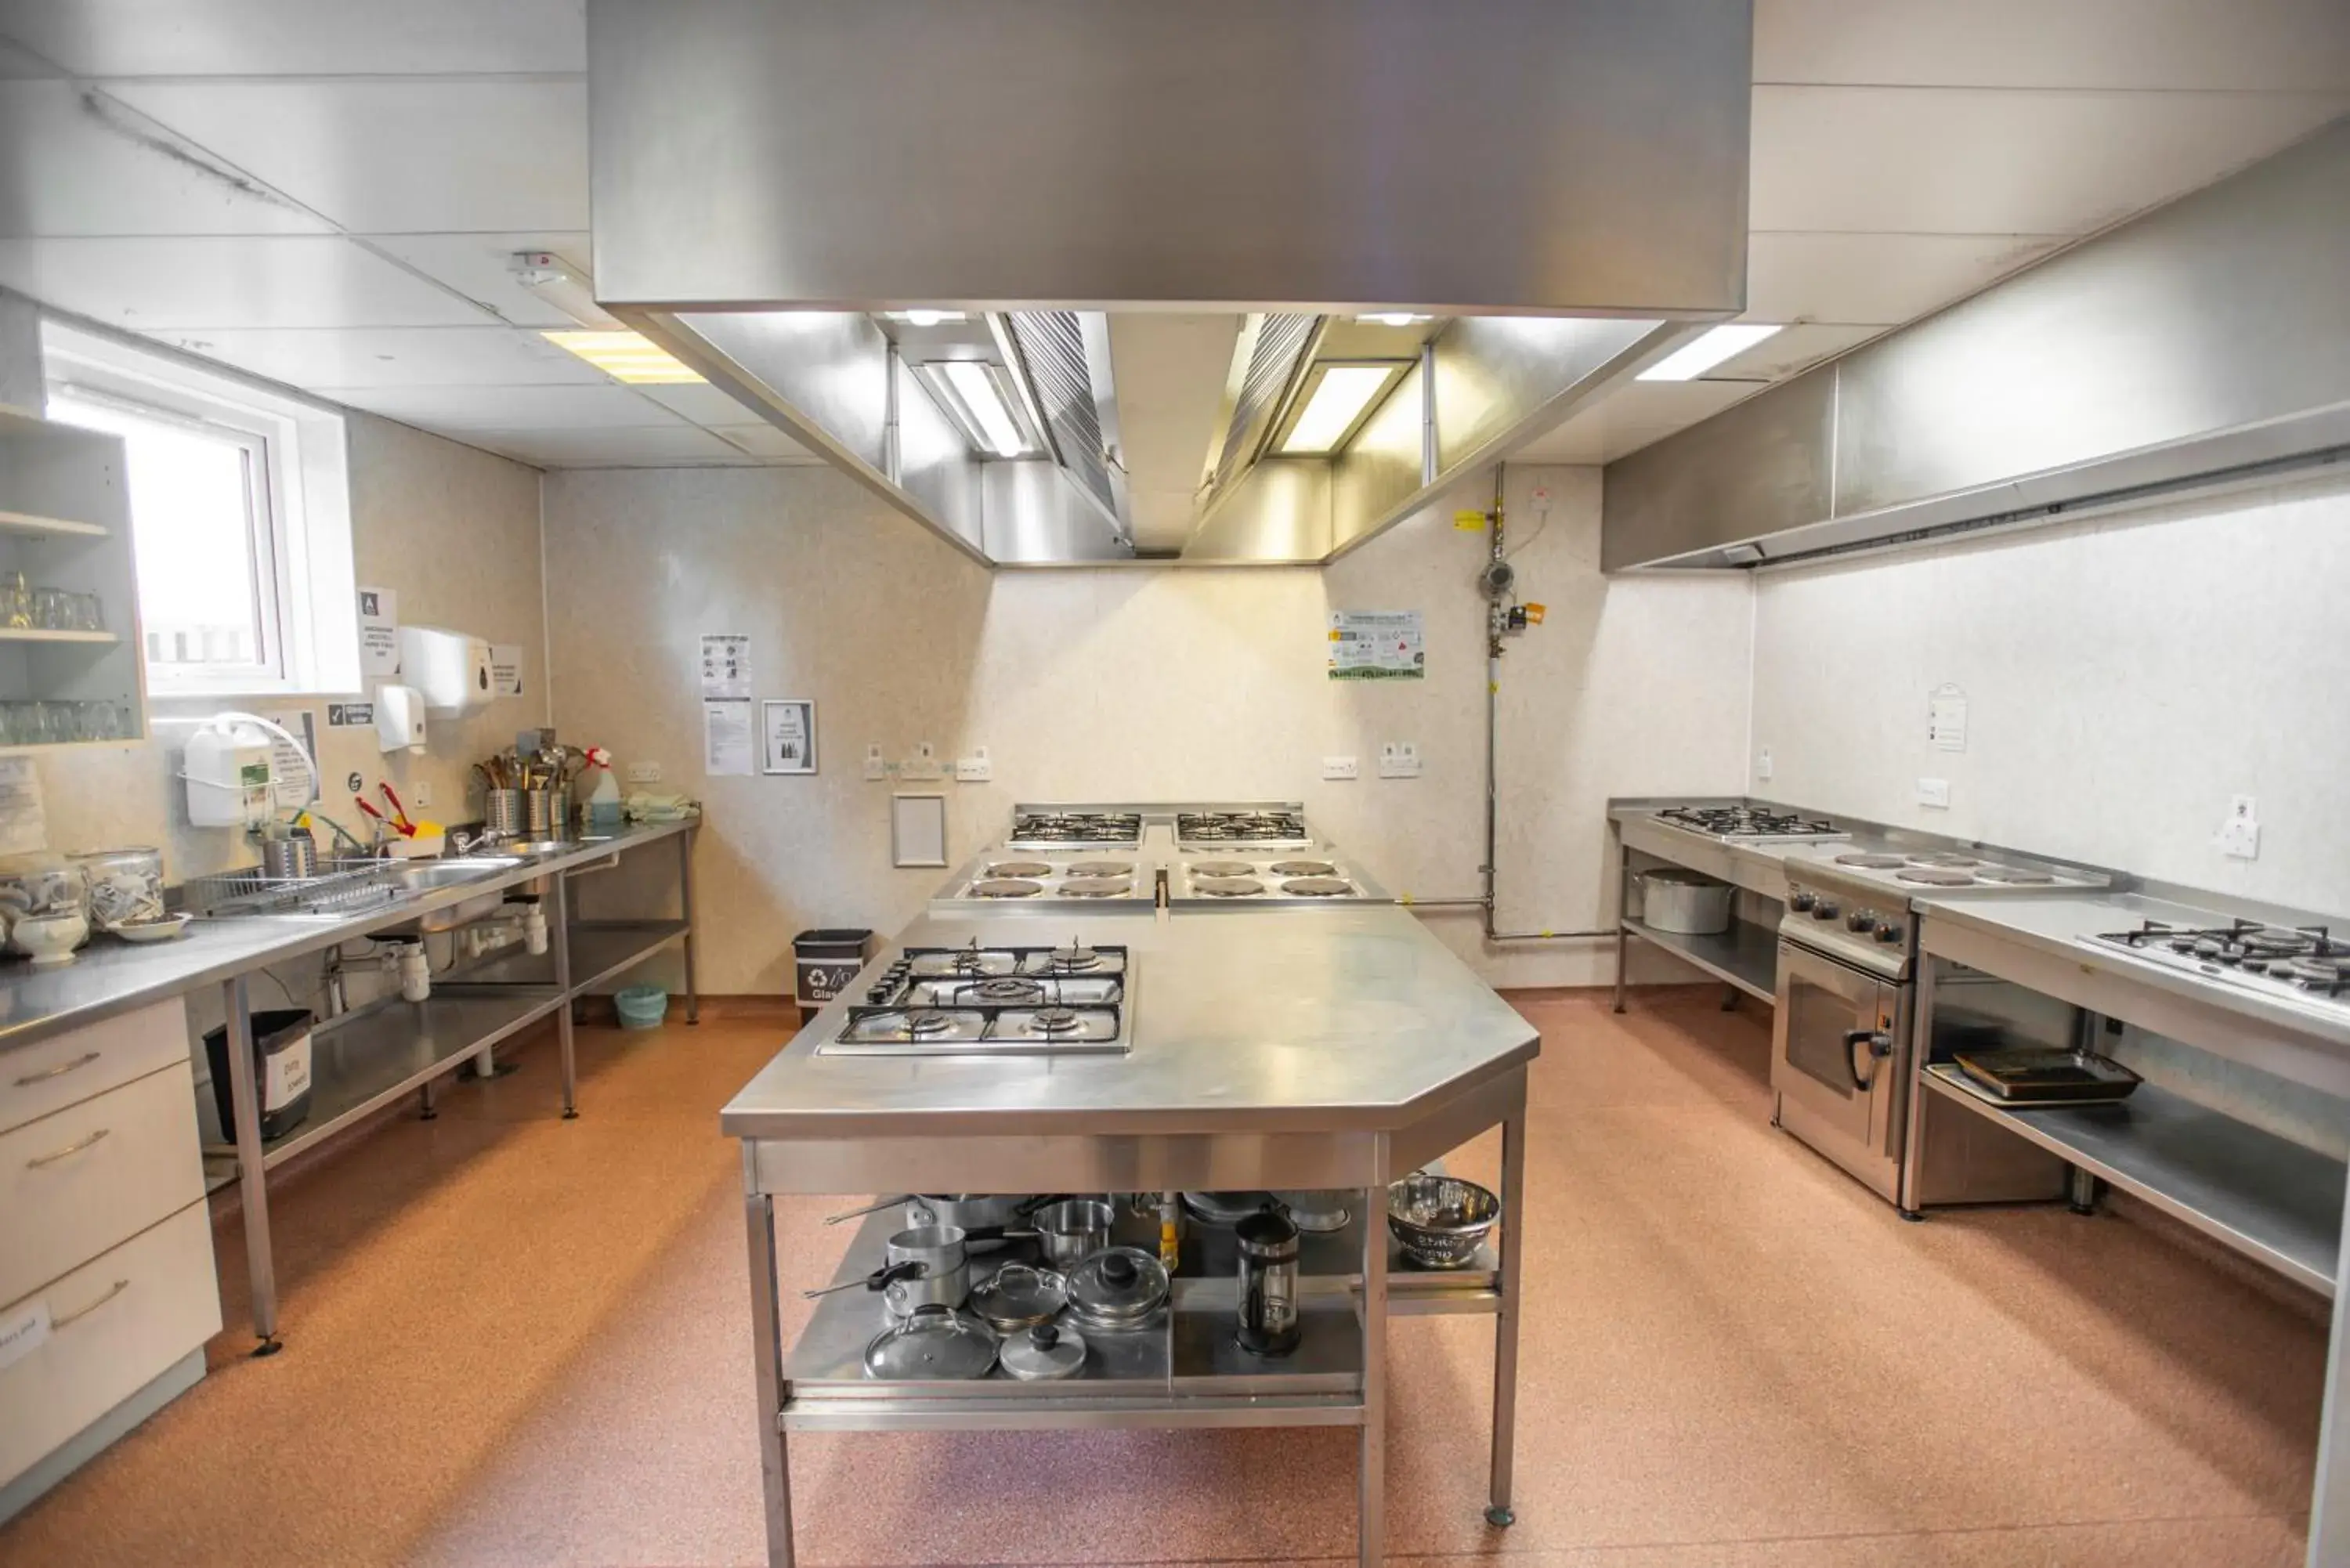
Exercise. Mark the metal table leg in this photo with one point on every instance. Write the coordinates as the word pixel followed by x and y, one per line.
pixel 1371 1499
pixel 1910 1201
pixel 767 1363
pixel 2329 1504
pixel 1622 909
pixel 1505 1322
pixel 685 912
pixel 562 947
pixel 245 1101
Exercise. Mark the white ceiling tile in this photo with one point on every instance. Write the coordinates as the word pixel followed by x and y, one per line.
pixel 1791 349
pixel 1876 279
pixel 1984 161
pixel 1630 417
pixel 704 404
pixel 153 284
pixel 425 156
pixel 479 267
pixel 314 358
pixel 654 446
pixel 84 164
pixel 768 442
pixel 298 37
pixel 523 407
pixel 2255 45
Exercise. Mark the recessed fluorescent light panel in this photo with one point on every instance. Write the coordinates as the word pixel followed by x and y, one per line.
pixel 979 397
pixel 1336 399
pixel 925 317
pixel 1703 353
pixel 1392 319
pixel 625 357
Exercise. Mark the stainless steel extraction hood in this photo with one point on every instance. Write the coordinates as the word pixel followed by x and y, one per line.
pixel 2204 345
pixel 1218 282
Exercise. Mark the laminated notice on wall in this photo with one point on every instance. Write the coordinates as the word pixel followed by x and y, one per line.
pixel 289 773
pixel 727 745
pixel 1376 645
pixel 725 665
pixel 379 632
pixel 22 826
pixel 1946 718
pixel 505 668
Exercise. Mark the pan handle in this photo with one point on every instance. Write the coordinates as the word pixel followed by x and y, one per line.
pixel 877 1280
pixel 871 1209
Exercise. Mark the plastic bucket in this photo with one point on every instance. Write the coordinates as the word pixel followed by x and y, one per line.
pixel 641 1006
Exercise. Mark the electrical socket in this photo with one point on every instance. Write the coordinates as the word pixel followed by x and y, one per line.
pixel 2239 835
pixel 924 765
pixel 1399 759
pixel 1341 768
pixel 422 792
pixel 1762 764
pixel 1935 793
pixel 876 767
pixel 644 772
pixel 974 768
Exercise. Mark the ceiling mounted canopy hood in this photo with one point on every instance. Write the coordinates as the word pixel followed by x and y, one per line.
pixel 2203 346
pixel 1236 282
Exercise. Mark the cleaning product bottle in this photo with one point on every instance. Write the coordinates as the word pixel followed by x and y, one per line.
pixel 604 800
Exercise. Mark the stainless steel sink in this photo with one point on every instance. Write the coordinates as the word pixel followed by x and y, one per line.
pixel 430 876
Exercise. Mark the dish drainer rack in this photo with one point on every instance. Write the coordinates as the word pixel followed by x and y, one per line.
pixel 339 888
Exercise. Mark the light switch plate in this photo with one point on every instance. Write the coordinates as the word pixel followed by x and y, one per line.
pixel 2239 836
pixel 1399 759
pixel 1762 764
pixel 1935 793
pixel 877 767
pixel 421 792
pixel 974 768
pixel 644 772
pixel 1340 768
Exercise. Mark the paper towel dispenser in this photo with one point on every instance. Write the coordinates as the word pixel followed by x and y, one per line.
pixel 450 669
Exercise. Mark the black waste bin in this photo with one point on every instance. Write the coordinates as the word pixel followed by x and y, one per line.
pixel 828 959
pixel 281 1071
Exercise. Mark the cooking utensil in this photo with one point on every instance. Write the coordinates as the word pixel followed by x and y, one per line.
pixel 932 1342
pixel 1042 1352
pixel 1267 1323
pixel 1440 1219
pixel 1073 1228
pixel 1675 899
pixel 2047 1075
pixel 1116 1288
pixel 1018 1297
pixel 291 857
pixel 1319 1212
pixel 1225 1207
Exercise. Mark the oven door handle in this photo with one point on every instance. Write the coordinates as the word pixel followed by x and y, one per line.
pixel 1880 1046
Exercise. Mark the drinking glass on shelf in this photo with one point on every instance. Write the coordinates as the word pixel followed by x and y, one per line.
pixel 53 609
pixel 87 614
pixel 15 601
pixel 16 723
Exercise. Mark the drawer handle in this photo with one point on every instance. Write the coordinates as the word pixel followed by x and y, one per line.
pixel 70 1149
pixel 80 1312
pixel 59 1071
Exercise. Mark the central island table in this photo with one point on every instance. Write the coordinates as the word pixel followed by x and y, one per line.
pixel 1320 1049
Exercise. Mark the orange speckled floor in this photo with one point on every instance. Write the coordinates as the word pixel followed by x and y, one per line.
pixel 512 1340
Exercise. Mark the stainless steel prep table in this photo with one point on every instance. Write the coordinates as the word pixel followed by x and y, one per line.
pixel 2271 1200
pixel 1325 1048
pixel 402 1045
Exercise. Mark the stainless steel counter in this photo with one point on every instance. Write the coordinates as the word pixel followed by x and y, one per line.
pixel 110 976
pixel 1322 1048
pixel 1320 1018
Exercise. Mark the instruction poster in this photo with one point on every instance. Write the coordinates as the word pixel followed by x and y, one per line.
pixel 727 746
pixel 379 631
pixel 1376 645
pixel 725 665
pixel 23 825
pixel 505 668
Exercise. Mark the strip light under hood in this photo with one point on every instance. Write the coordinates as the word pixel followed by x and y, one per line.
pixel 1703 353
pixel 1336 399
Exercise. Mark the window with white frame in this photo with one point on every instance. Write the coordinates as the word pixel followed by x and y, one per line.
pixel 240 518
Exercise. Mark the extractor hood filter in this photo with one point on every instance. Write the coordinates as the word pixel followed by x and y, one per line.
pixel 1070 381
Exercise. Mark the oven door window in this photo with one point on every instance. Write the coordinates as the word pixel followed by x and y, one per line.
pixel 1818 1022
pixel 1829 1017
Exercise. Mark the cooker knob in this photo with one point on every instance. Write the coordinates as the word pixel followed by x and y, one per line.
pixel 1799 901
pixel 1887 931
pixel 1861 920
pixel 1825 911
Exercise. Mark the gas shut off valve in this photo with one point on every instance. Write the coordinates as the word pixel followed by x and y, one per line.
pixel 1497 580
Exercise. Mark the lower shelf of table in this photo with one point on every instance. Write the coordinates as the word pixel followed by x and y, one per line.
pixel 601 951
pixel 1745 956
pixel 361 1062
pixel 2272 1199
